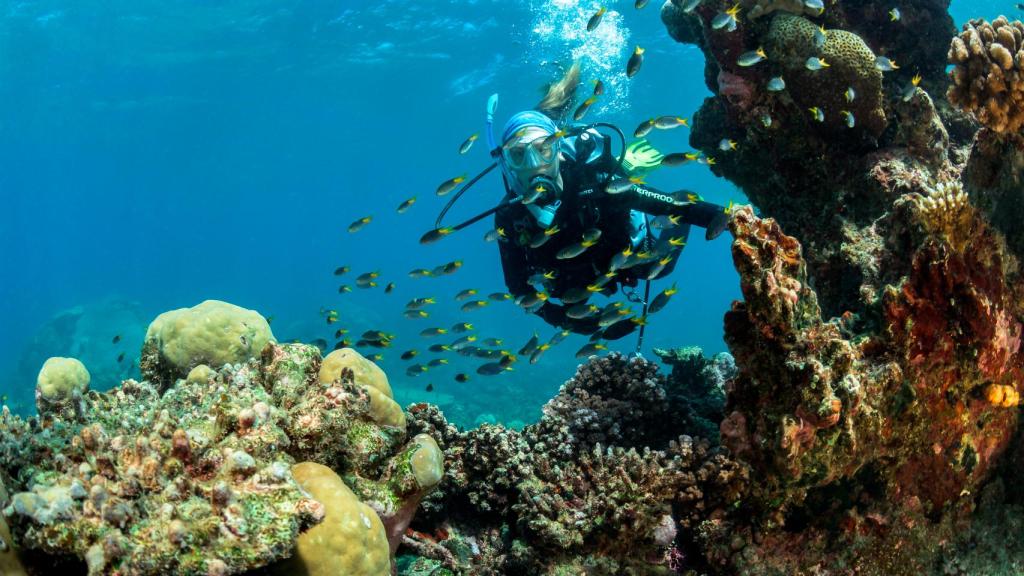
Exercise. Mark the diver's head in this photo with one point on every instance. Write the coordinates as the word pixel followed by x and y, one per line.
pixel 528 155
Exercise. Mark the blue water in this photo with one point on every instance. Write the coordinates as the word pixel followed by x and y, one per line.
pixel 156 154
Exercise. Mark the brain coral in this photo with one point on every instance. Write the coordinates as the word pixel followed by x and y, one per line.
pixel 791 41
pixel 987 74
pixel 212 333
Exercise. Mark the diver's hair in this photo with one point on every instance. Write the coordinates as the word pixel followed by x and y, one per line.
pixel 560 95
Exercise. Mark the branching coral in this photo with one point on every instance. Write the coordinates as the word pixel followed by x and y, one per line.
pixel 988 73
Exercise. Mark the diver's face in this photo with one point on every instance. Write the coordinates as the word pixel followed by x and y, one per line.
pixel 527 157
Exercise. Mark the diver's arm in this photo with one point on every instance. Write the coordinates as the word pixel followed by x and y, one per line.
pixel 657 203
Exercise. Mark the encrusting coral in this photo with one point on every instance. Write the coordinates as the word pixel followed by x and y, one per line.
pixel 198 479
pixel 988 73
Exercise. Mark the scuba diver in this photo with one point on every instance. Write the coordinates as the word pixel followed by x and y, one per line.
pixel 581 222
pixel 576 219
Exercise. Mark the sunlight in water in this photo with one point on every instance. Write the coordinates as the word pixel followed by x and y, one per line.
pixel 559 34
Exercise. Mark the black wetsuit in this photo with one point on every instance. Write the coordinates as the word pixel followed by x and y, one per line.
pixel 585 205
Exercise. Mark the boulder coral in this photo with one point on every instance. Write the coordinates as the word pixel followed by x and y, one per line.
pixel 214 333
pixel 60 387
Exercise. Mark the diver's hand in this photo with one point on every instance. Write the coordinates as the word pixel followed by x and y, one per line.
pixel 641 158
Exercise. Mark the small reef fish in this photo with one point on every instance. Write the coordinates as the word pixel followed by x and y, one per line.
pixel 885 64
pixel 499 296
pixel 575 295
pixel 474 305
pixel 850 94
pixel 895 15
pixel 910 89
pixel 463 342
pixel 817 113
pixel 415 370
pixel 814 63
pixel 657 268
pixel 462 327
pixel 438 348
pixel 435 362
pixel 776 84
pixel 820 36
pixel 726 19
pixel 662 299
pixel 635 62
pixel 623 328
pixel 415 314
pixel 358 224
pixel 639 4
pixel 766 120
pixel 448 185
pixel 465 146
pixel 679 158
pixel 389 288
pixel 533 194
pixel 726 145
pixel 120 358
pixel 589 235
pixel 818 5
pixel 848 118
pixel 493 341
pixel 574 250
pixel 530 345
pixel 451 267
pixel 557 337
pixel 535 356
pixel 344 289
pixel 644 128
pixel 419 273
pixel 532 300
pixel 430 387
pixel 595 19
pixel 406 205
pixel 687 6
pixel 341 270
pixel 465 294
pixel 436 234
pixel 430 332
pixel 752 57
pixel 340 332
pixel 598 87
pixel 342 344
pixel 375 357
pixel 494 234
pixel 670 122
pixel 364 280
pixel 376 336
pixel 417 303
pixel 620 258
pixel 409 354
pixel 115 339
pixel 492 369
pixel 620 185
pixel 582 311
pixel 462 378
pixel 581 111
pixel 590 349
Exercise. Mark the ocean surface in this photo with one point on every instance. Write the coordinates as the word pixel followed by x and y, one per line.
pixel 157 154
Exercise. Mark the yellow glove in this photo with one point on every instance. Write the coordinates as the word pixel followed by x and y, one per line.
pixel 641 158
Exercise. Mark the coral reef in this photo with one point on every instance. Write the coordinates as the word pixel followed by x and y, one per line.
pixel 195 477
pixel 60 386
pixel 988 73
pixel 212 333
pixel 597 484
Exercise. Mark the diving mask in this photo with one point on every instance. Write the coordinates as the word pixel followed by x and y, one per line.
pixel 532 149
